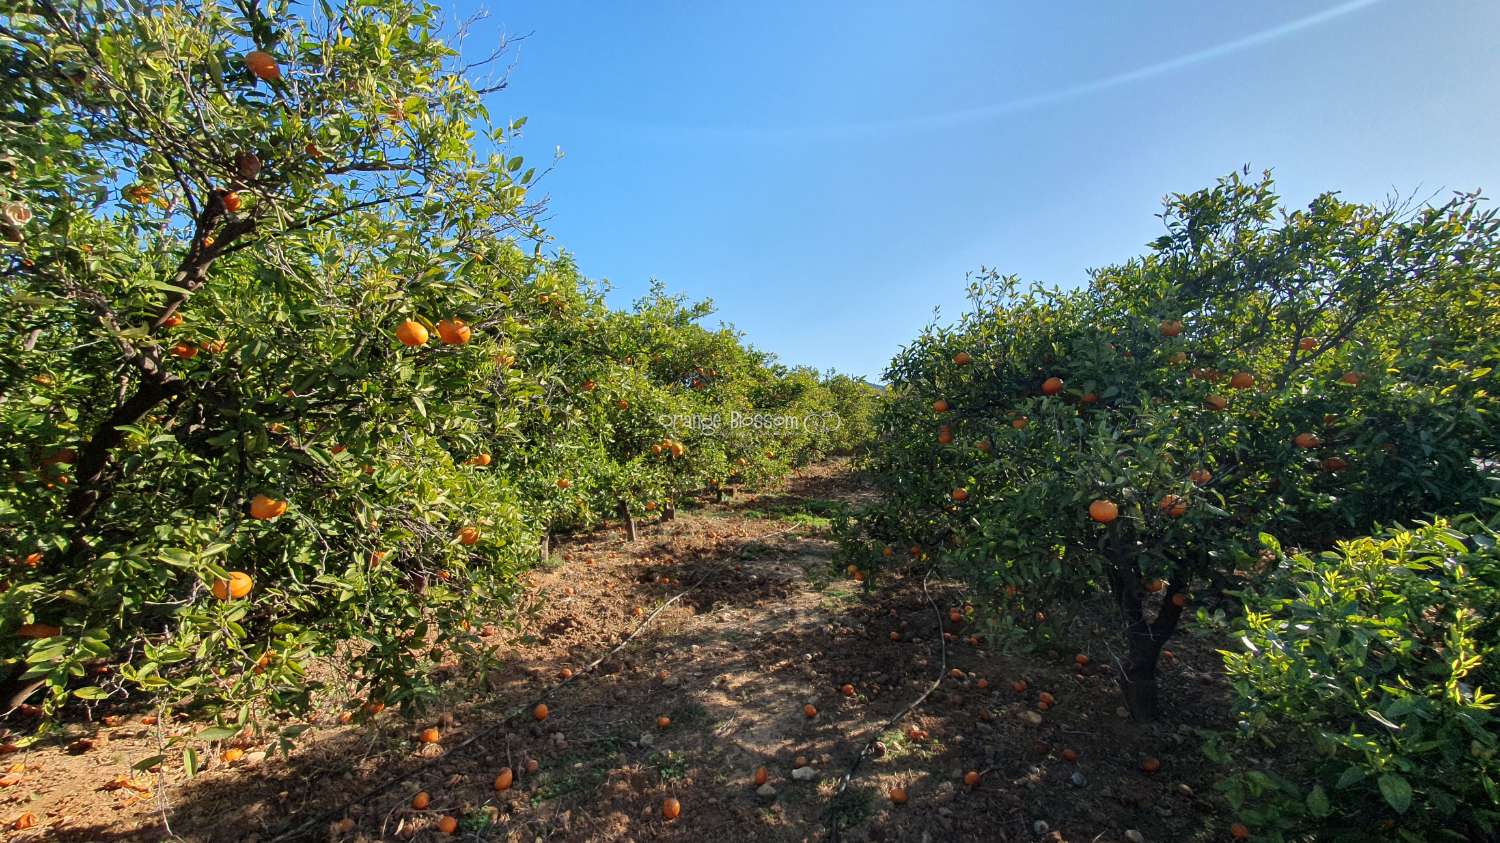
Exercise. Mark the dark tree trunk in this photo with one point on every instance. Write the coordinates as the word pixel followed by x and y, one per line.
pixel 1144 639
pixel 94 460
pixel 669 513
pixel 629 520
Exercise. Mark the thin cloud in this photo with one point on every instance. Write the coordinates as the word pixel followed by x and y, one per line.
pixel 978 114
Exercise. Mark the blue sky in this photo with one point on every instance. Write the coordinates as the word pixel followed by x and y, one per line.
pixel 827 173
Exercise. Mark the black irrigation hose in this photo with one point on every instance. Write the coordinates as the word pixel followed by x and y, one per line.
pixel 834 815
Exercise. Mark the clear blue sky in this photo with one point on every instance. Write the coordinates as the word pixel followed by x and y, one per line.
pixel 827 173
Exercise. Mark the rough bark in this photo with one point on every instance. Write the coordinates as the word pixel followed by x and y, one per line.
pixel 1144 639
pixel 629 520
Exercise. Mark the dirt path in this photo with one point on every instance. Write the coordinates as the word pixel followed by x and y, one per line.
pixel 760 627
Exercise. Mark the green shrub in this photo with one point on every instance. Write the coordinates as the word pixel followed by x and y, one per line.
pixel 1381 657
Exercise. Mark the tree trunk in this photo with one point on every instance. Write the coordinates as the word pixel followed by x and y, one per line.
pixel 669 513
pixel 94 459
pixel 1140 671
pixel 1144 640
pixel 629 520
pixel 546 546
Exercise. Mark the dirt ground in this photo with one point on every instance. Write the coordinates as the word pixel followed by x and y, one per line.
pixel 759 625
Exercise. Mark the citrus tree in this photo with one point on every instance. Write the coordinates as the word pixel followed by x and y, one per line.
pixel 286 374
pixel 1256 372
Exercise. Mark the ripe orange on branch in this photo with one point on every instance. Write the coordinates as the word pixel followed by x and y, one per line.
pixel 412 333
pixel 1104 511
pixel 1052 385
pixel 265 508
pixel 238 585
pixel 453 332
pixel 263 65
pixel 1171 327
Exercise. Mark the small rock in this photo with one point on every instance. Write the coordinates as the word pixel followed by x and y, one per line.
pixel 1183 789
pixel 766 790
pixel 558 740
pixel 1134 836
pixel 803 774
pixel 646 739
pixel 1078 780
pixel 1122 713
pixel 1040 827
pixel 1032 717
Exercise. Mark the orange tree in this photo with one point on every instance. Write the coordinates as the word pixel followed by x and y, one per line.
pixel 1302 374
pixel 285 375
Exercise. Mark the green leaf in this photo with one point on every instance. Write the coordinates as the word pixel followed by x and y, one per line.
pixel 217 733
pixel 1396 790
pixel 90 692
pixel 190 761
pixel 1317 801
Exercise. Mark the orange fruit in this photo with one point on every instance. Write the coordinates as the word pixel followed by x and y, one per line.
pixel 1046 698
pixel 1019 422
pixel 960 494
pixel 1307 343
pixel 984 445
pixel 421 800
pixel 565 674
pixel 1155 585
pixel 1081 660
pixel 1052 386
pixel 895 636
pixel 1215 402
pixel 1307 440
pixel 982 683
pixel 1171 327
pixel 955 616
pixel 971 778
pixel 623 404
pixel 1335 464
pixel 1019 686
pixel 1177 358
pixel 429 735
pixel 233 754
pixel 956 673
pixel 761 776
pixel 453 332
pixel 468 535
pixel 231 204
pixel 172 321
pixel 1150 765
pixel 238 585
pixel 266 508
pixel 1172 506
pixel 481 458
pixel 505 779
pixel 1239 832
pixel 447 825
pixel 563 483
pixel 375 707
pixel 1242 380
pixel 263 65
pixel 898 795
pixel 1200 476
pixel 540 712
pixel 940 406
pixel 887 551
pixel 945 435
pixel 412 333
pixel 1089 397
pixel 1104 511
pixel 671 809
pixel 1069 755
pixel 809 712
pixel 1179 600
pixel 847 690
pixel 185 351
pixel 1352 378
pixel 663 721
